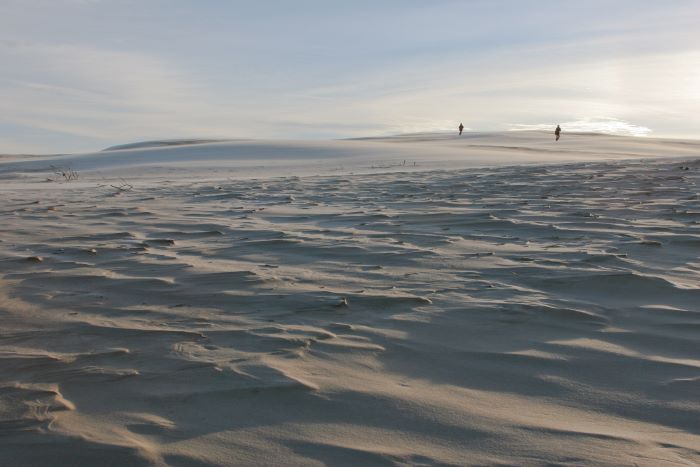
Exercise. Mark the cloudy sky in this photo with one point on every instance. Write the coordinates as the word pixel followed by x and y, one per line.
pixel 80 75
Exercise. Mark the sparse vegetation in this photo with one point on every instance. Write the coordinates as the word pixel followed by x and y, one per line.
pixel 67 174
pixel 124 186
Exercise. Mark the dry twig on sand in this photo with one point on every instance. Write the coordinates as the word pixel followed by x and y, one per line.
pixel 68 174
pixel 123 187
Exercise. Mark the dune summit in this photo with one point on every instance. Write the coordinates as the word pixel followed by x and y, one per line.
pixel 417 300
pixel 429 151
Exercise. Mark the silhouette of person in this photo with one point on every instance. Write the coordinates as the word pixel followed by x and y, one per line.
pixel 557 132
pixel 461 127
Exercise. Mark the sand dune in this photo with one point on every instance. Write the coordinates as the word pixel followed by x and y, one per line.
pixel 505 301
pixel 249 158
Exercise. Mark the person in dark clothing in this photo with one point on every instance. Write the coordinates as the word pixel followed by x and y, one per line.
pixel 461 127
pixel 557 132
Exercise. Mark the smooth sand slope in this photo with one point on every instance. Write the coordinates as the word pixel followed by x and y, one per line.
pixel 239 158
pixel 239 308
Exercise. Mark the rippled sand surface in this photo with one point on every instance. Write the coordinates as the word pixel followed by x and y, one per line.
pixel 523 315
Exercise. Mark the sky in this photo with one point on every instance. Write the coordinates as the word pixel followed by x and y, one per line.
pixel 81 75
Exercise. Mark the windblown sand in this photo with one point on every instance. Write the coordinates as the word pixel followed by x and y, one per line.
pixel 371 313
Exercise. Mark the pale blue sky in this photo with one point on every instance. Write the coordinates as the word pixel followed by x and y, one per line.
pixel 80 75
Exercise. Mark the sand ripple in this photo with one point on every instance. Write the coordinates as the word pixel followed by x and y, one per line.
pixel 514 315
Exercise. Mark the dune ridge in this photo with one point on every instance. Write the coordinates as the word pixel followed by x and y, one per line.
pixel 421 152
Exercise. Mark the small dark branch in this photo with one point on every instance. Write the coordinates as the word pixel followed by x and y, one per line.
pixel 68 174
pixel 123 186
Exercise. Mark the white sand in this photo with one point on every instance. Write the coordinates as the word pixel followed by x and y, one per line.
pixel 347 309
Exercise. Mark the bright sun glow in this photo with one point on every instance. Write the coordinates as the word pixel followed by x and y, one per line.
pixel 591 125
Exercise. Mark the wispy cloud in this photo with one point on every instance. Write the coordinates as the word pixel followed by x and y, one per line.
pixel 98 94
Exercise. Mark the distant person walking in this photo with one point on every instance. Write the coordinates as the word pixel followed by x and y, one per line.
pixel 557 132
pixel 461 128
